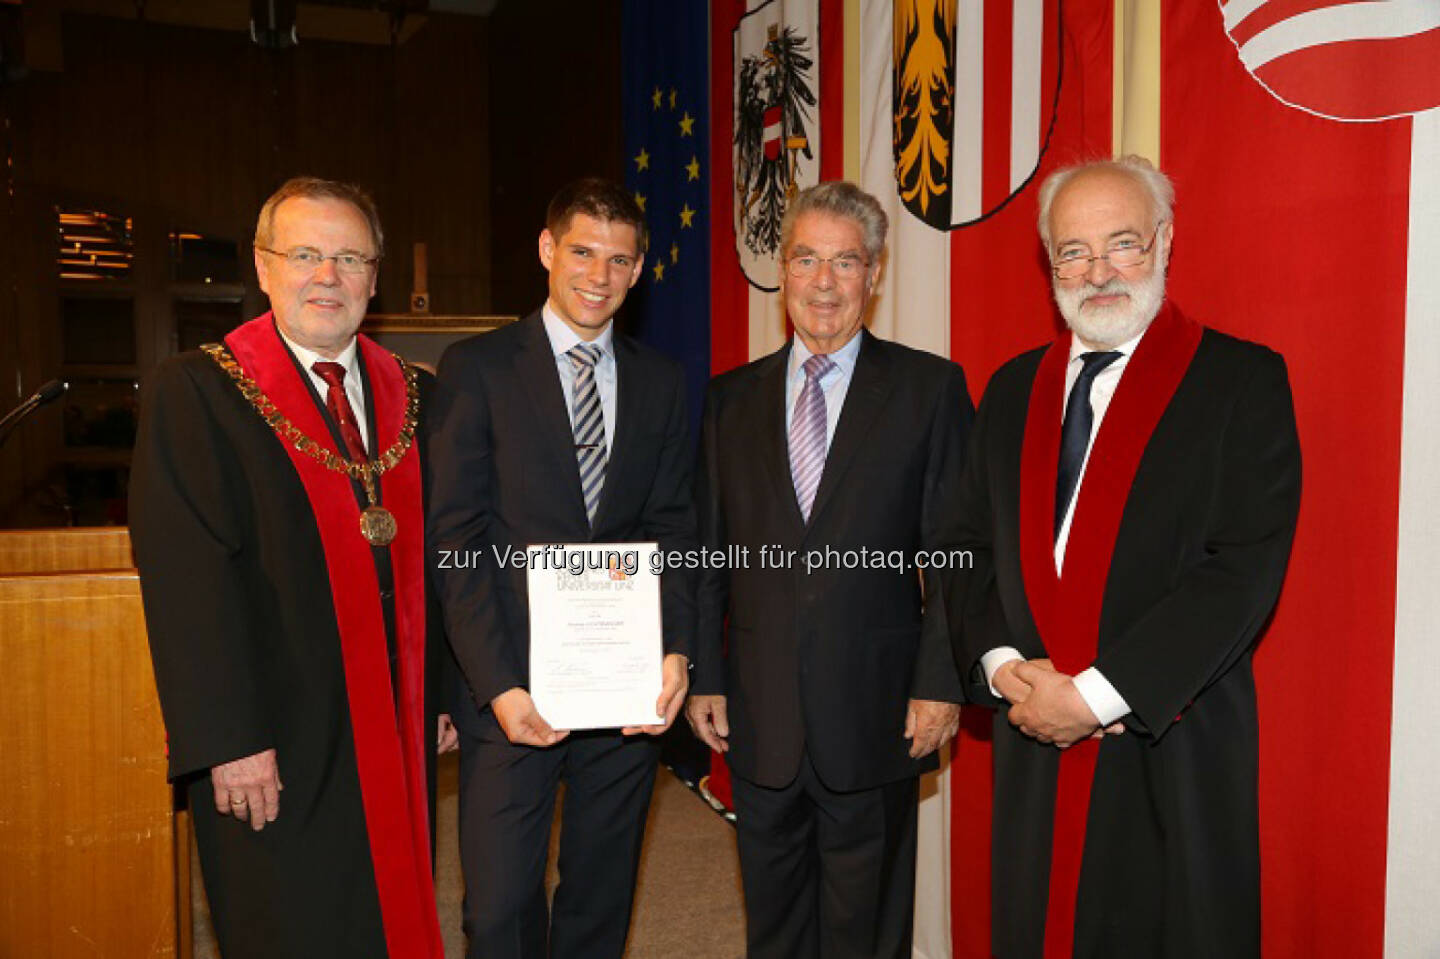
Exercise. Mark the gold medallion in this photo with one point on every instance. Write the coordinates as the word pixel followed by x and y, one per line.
pixel 377 525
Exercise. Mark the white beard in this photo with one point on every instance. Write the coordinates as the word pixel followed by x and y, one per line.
pixel 1106 327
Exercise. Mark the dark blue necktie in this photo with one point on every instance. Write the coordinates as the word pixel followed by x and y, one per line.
pixel 1075 431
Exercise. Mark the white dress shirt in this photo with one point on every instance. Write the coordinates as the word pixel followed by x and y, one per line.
pixel 834 384
pixel 354 382
pixel 1103 699
pixel 562 338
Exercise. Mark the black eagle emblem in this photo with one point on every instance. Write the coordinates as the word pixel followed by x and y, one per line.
pixel 773 115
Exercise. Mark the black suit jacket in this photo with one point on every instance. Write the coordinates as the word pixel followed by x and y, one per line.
pixel 504 475
pixel 1172 860
pixel 825 659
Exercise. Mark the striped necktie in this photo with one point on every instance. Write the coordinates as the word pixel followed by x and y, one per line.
pixel 807 434
pixel 589 425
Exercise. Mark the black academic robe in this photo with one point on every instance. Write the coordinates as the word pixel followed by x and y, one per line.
pixel 1170 867
pixel 247 656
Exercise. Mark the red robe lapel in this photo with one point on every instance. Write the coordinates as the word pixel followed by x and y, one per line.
pixel 391 760
pixel 1067 608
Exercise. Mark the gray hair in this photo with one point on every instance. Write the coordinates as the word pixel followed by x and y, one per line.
pixel 315 188
pixel 839 198
pixel 1156 184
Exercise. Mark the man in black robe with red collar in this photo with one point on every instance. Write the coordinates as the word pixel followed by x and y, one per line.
pixel 1130 499
pixel 278 525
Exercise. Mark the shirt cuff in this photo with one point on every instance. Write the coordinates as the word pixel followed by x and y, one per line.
pixel 1107 704
pixel 993 660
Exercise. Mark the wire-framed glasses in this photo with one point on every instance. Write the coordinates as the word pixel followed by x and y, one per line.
pixel 845 266
pixel 1121 254
pixel 306 259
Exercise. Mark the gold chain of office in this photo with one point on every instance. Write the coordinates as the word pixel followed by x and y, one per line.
pixel 377 524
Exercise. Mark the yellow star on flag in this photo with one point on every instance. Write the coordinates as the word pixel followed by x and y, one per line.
pixel 659 269
pixel 692 169
pixel 686 215
pixel 674 252
pixel 655 99
pixel 642 160
pixel 640 201
pixel 687 124
pixel 672 98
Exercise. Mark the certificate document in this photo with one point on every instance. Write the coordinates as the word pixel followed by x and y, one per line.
pixel 595 645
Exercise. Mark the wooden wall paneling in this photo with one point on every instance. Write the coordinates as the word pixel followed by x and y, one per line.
pixel 33 447
pixel 203 128
pixel 88 127
pixel 85 818
pixel 186 127
pixel 443 184
pixel 71 135
pixel 152 227
pixel 12 379
pixel 555 116
pixel 36 446
pixel 338 99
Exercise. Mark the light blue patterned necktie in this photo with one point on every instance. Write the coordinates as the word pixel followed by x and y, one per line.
pixel 807 434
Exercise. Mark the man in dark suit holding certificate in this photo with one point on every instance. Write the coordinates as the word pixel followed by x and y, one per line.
pixel 556 430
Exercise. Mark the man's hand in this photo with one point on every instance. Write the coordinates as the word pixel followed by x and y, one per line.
pixel 676 672
pixel 930 725
pixel 708 718
pixel 1005 683
pixel 1054 712
pixel 447 737
pixel 523 725
pixel 248 789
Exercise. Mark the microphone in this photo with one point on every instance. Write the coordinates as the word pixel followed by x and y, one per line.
pixel 47 393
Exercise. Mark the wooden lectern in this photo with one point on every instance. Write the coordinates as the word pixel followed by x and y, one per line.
pixel 91 860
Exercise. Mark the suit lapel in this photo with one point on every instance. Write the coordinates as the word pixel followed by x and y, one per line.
pixel 535 364
pixel 629 407
pixel 769 420
pixel 869 386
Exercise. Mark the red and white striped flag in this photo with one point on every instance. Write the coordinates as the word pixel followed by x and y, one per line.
pixel 772 134
pixel 1303 137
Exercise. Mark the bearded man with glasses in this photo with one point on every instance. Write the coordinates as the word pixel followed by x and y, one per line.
pixel 1130 501
pixel 821 671
pixel 278 524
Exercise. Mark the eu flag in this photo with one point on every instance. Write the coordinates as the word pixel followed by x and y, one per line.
pixel 666 116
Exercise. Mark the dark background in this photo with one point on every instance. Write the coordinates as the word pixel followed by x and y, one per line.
pixel 460 116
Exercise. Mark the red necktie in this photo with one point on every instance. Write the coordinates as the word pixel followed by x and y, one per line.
pixel 339 405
